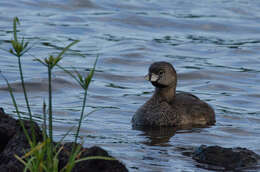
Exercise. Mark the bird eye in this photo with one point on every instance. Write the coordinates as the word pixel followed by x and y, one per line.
pixel 161 72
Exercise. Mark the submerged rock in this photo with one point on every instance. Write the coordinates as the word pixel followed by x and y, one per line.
pixel 13 142
pixel 225 158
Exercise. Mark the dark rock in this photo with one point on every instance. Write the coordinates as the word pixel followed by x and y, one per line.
pixel 94 165
pixel 97 165
pixel 7 128
pixel 227 158
pixel 14 142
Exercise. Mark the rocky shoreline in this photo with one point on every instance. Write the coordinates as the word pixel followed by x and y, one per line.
pixel 226 158
pixel 13 142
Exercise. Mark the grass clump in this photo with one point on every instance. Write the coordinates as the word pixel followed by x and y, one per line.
pixel 43 156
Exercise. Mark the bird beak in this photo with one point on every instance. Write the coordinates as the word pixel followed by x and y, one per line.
pixel 152 77
pixel 146 77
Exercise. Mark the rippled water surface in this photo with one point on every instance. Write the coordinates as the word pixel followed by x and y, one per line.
pixel 214 46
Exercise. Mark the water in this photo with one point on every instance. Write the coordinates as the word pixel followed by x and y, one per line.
pixel 214 46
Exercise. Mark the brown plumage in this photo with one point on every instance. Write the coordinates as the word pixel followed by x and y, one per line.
pixel 166 108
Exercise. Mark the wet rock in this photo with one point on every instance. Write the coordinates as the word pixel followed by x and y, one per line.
pixel 13 142
pixel 94 165
pixel 216 157
pixel 7 128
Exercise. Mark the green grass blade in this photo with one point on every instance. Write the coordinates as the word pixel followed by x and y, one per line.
pixel 84 100
pixel 66 48
pixel 64 136
pixel 44 121
pixel 50 103
pixel 17 109
pixel 20 159
pixel 96 157
pixel 70 73
pixel 34 149
pixel 72 159
pixel 15 21
pixel 26 100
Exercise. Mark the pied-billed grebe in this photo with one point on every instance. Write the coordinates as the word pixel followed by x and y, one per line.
pixel 166 108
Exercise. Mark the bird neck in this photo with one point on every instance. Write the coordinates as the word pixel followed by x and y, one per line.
pixel 165 93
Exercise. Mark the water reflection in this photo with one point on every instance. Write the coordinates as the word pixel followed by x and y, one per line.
pixel 160 136
pixel 157 136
